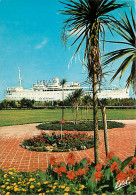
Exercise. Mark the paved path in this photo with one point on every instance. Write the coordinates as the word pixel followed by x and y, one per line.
pixel 121 141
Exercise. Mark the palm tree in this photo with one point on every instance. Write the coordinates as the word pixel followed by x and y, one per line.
pixel 126 28
pixel 70 101
pixel 86 20
pixel 62 82
pixel 87 101
pixel 77 94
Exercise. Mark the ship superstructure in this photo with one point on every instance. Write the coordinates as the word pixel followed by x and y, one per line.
pixel 52 90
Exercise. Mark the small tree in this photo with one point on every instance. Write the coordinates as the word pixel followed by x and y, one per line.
pixel 4 104
pixel 26 103
pixel 77 94
pixel 87 101
pixel 70 101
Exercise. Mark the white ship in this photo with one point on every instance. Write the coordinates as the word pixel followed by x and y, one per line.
pixel 51 91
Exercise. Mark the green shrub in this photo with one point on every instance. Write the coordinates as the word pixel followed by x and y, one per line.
pixel 78 127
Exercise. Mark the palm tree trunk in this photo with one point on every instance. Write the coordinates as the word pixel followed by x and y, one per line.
pixel 81 114
pixel 76 114
pixel 94 71
pixel 95 118
pixel 63 103
pixel 103 108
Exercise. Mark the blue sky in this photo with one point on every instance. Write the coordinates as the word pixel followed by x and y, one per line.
pixel 30 38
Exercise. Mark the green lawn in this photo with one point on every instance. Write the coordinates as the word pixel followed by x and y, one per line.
pixel 13 117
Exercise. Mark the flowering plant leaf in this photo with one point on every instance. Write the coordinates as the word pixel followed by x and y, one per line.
pixel 117 160
pixel 126 162
pixel 83 162
pixel 42 174
pixel 91 185
pixel 108 174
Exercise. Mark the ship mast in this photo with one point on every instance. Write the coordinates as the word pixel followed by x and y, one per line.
pixel 20 79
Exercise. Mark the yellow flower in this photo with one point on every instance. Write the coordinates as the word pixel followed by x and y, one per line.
pixel 103 194
pixel 55 183
pixel 62 187
pixel 66 194
pixel 5 175
pixel 31 179
pixel 8 187
pixel 82 186
pixel 16 189
pixel 3 186
pixel 11 173
pixel 8 179
pixel 54 187
pixel 12 169
pixel 38 183
pixel 13 177
pixel 39 190
pixel 52 190
pixel 50 186
pixel 7 183
pixel 45 182
pixel 78 192
pixel 47 191
pixel 32 186
pixel 67 189
pixel 3 192
pixel 14 184
pixel 24 190
pixel 7 193
pixel 19 182
pixel 37 174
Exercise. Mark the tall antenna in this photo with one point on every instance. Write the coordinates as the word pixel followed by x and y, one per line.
pixel 20 79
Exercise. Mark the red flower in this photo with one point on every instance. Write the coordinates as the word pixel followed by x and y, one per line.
pixel 110 155
pixel 134 160
pixel 71 159
pixel 71 175
pixel 98 176
pixel 71 156
pixel 52 160
pixel 122 177
pixel 134 173
pixel 88 161
pixel 114 167
pixel 62 169
pixel 98 167
pixel 86 168
pixel 62 121
pixel 80 172
pixel 71 162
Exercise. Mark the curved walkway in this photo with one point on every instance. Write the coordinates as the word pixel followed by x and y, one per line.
pixel 121 141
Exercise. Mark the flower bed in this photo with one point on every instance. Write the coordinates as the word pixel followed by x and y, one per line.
pixel 79 127
pixel 59 143
pixel 74 178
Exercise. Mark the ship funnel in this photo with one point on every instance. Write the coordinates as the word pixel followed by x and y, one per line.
pixel 20 79
pixel 56 81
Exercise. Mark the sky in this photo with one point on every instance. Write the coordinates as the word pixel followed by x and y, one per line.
pixel 30 38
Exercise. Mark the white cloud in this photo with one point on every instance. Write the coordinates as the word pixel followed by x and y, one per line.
pixel 42 44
